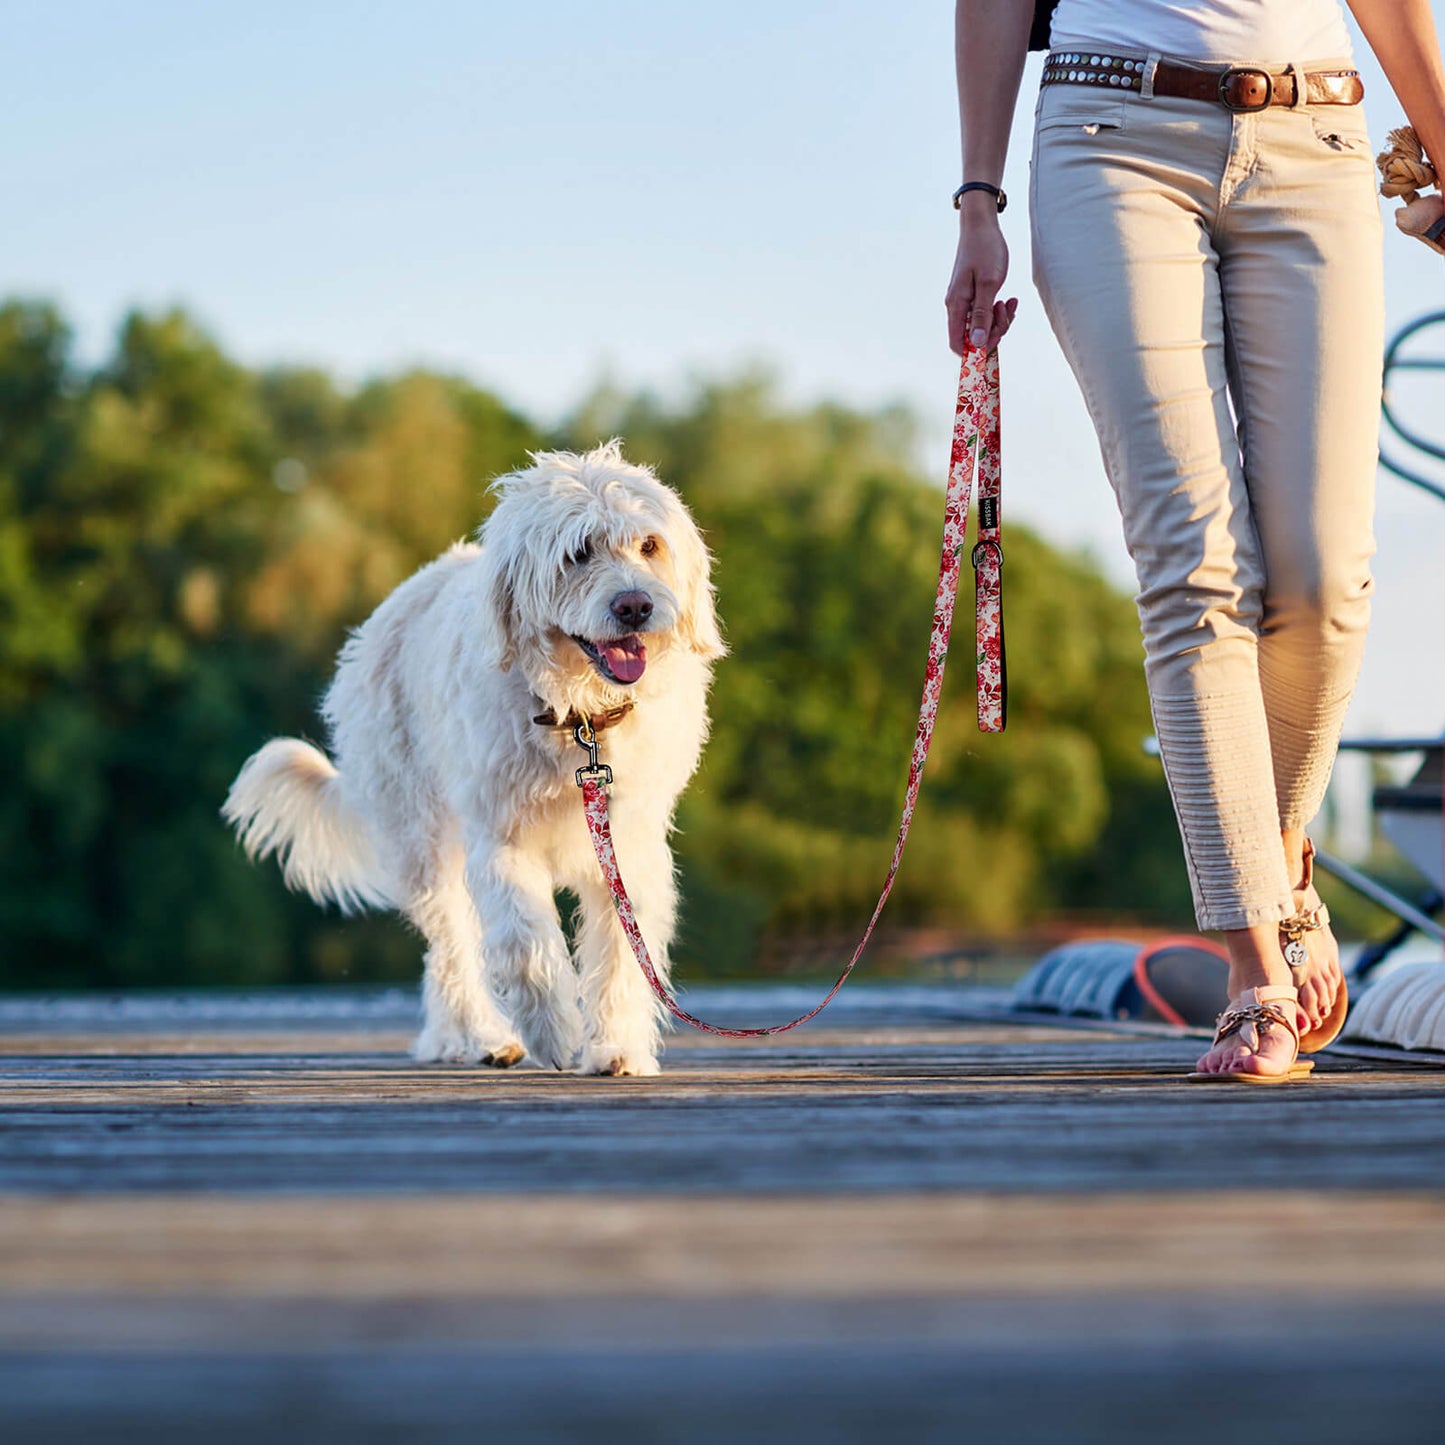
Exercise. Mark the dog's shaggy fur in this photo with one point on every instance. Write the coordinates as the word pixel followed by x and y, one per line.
pixel 590 588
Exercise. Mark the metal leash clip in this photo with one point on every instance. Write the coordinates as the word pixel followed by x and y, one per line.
pixel 980 548
pixel 595 771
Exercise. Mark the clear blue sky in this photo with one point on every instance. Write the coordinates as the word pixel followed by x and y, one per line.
pixel 540 196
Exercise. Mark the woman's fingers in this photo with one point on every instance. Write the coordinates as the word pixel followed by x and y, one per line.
pixel 961 302
pixel 959 316
pixel 972 326
pixel 1001 320
pixel 980 318
pixel 983 309
pixel 991 326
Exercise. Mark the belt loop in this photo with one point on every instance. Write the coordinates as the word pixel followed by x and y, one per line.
pixel 1301 85
pixel 1146 88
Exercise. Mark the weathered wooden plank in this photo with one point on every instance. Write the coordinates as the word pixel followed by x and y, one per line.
pixel 267 1223
pixel 966 1109
pixel 1084 1392
pixel 879 1246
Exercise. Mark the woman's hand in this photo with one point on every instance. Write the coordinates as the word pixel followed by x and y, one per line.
pixel 1423 219
pixel 975 316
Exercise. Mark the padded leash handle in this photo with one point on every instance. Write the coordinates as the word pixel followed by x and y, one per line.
pixel 975 444
pixel 982 404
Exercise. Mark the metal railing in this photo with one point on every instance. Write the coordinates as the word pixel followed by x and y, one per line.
pixel 1397 364
pixel 1417 915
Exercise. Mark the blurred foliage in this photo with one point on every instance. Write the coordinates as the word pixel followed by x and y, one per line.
pixel 826 547
pixel 184 542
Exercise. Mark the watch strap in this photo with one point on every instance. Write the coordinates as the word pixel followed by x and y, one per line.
pixel 995 191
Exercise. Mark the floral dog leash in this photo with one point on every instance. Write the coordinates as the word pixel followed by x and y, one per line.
pixel 975 438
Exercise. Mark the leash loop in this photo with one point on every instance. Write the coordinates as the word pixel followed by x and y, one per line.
pixel 975 442
pixel 979 395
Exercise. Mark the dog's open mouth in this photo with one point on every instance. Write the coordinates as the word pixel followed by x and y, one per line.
pixel 618 659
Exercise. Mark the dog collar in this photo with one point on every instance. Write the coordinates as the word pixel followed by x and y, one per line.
pixel 600 720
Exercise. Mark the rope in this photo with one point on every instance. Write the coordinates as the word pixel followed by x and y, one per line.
pixel 1406 171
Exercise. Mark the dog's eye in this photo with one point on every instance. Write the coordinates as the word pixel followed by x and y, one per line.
pixel 578 555
pixel 649 546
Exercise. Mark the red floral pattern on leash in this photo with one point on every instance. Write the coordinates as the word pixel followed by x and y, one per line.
pixel 978 396
pixel 975 435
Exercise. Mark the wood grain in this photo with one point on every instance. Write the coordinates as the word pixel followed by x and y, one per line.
pixel 907 1223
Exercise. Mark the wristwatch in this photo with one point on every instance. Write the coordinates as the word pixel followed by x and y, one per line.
pixel 995 191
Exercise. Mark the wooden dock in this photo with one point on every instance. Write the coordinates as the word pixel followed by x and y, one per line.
pixel 247 1218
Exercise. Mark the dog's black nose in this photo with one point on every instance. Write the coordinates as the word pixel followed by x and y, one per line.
pixel 632 609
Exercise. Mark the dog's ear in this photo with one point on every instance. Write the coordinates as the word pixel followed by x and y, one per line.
pixel 698 625
pixel 500 606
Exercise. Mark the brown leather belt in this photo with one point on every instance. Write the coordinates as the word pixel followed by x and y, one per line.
pixel 1235 87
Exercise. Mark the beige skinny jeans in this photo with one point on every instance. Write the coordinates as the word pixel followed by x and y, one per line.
pixel 1215 282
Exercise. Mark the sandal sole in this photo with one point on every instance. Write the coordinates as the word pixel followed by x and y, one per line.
pixel 1298 1072
pixel 1321 1038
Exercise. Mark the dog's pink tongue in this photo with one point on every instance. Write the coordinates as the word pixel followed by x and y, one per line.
pixel 627 660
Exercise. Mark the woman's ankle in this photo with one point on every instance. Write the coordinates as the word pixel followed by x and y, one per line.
pixel 1255 959
pixel 1295 844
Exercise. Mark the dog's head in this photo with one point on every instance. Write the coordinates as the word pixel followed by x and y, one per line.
pixel 594 572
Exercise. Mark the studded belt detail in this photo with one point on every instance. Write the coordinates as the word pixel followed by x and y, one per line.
pixel 1073 66
pixel 1235 87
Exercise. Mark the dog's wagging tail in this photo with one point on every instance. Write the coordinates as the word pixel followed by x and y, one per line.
pixel 288 800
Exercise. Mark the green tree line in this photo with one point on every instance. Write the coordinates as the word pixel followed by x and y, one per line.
pixel 185 541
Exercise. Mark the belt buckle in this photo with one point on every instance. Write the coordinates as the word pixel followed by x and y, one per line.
pixel 1245 72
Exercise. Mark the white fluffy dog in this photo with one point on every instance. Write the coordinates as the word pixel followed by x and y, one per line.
pixel 453 797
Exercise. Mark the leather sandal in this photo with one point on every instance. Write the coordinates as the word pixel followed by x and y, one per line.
pixel 1256 1012
pixel 1296 953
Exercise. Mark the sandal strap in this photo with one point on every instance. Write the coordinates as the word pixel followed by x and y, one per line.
pixel 1257 1009
pixel 1292 933
pixel 1307 920
pixel 1267 993
pixel 1308 860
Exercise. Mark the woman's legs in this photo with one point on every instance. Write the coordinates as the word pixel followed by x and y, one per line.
pixel 1170 216
pixel 1302 286
pixel 1129 276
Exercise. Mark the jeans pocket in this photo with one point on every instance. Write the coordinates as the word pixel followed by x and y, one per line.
pixel 1066 113
pixel 1060 106
pixel 1085 114
pixel 1342 132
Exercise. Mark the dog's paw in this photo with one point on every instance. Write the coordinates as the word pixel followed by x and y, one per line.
pixel 609 1059
pixel 451 1046
pixel 552 1038
pixel 504 1056
pixel 435 1046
